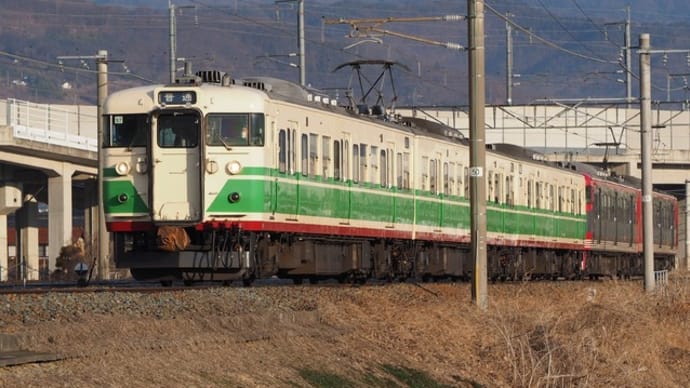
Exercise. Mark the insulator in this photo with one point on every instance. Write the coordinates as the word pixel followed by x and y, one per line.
pixel 453 46
pixel 454 18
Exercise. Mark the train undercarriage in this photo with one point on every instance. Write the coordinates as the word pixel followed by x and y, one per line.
pixel 234 255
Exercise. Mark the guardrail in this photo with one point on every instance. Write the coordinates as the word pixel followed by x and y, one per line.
pixel 661 278
pixel 73 126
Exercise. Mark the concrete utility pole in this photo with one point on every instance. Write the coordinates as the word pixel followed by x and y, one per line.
pixel 103 239
pixel 173 41
pixel 509 62
pixel 646 155
pixel 475 13
pixel 628 57
pixel 645 145
pixel 103 235
pixel 300 36
pixel 172 9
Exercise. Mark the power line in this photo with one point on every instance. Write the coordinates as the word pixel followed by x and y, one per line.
pixel 545 41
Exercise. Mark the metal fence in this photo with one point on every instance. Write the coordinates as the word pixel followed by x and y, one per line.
pixel 73 126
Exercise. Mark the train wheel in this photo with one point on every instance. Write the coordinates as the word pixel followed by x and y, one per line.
pixel 166 283
pixel 187 282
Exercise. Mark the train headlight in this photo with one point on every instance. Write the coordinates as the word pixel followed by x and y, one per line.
pixel 122 168
pixel 234 167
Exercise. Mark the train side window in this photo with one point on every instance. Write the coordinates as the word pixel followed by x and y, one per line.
pixel 305 155
pixel 282 151
pixel 466 182
pixel 446 179
pixel 424 173
pixel 490 188
pixel 538 192
pixel 363 162
pixel 458 182
pixel 530 193
pixel 573 201
pixel 498 187
pixel 433 176
pixel 373 157
pixel 346 160
pixel 509 189
pixel 355 163
pixel 390 162
pixel 326 156
pixel 384 169
pixel 292 151
pixel 336 160
pixel 406 171
pixel 313 154
pixel 399 170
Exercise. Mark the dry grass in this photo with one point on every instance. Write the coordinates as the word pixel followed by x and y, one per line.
pixel 533 335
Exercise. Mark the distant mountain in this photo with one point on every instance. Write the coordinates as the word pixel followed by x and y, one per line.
pixel 256 37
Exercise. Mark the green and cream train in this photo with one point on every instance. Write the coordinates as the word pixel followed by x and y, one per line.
pixel 218 179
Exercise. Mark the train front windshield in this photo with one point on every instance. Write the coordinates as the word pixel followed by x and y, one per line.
pixel 235 129
pixel 178 130
pixel 126 130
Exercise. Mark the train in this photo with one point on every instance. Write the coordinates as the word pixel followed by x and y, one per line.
pixel 213 178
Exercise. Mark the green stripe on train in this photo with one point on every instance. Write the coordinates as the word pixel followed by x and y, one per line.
pixel 298 195
pixel 113 189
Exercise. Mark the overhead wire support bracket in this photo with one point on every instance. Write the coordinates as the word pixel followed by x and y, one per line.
pixel 369 28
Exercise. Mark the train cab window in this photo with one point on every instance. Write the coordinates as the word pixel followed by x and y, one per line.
pixel 235 129
pixel 178 130
pixel 126 131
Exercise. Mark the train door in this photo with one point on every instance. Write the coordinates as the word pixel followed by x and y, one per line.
pixel 346 174
pixel 387 174
pixel 286 191
pixel 176 171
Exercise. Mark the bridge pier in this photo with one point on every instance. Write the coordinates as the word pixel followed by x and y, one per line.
pixel 59 211
pixel 4 256
pixel 28 255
